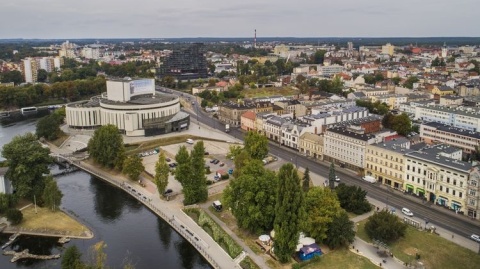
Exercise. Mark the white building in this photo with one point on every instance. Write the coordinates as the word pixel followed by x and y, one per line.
pixel 346 147
pixel 461 117
pixel 131 105
pixel 5 184
pixel 91 53
pixel 466 140
pixel 30 70
pixel 320 120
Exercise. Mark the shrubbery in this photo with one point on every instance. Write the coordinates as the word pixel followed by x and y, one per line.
pixel 15 216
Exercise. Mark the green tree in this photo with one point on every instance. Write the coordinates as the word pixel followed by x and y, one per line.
pixel 256 145
pixel 233 151
pixel 14 215
pixel 161 173
pixel 409 82
pixel 198 178
pixel 133 167
pixel 52 196
pixel 42 75
pixel 387 120
pixel 251 202
pixel 331 177
pixel 183 171
pixel 106 146
pixel 317 57
pixel 306 180
pixel 6 201
pixel 321 206
pixel 353 199
pixel 340 231
pixel 27 163
pixel 49 126
pixel 396 80
pixel 12 76
pixel 72 258
pixel 385 226
pixel 289 212
pixel 402 124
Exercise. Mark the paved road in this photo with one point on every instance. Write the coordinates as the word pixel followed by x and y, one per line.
pixel 435 215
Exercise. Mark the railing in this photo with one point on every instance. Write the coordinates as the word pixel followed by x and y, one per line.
pixel 159 212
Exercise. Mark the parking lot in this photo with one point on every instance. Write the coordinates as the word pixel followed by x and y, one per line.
pixel 216 150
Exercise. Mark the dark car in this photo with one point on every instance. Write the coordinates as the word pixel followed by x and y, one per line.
pixel 168 191
pixel 172 165
pixel 216 161
pixel 206 153
pixel 222 164
pixel 168 159
pixel 213 160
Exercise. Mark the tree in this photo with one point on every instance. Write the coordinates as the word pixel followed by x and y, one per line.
pixel 106 146
pixel 353 199
pixel 14 76
pixel 409 82
pixel 256 145
pixel 289 212
pixel 331 177
pixel 321 206
pixel 183 171
pixel 42 75
pixel 161 173
pixel 52 196
pixel 251 202
pixel 233 151
pixel 385 227
pixel 14 215
pixel 402 124
pixel 340 231
pixel 306 180
pixel 396 80
pixel 27 163
pixel 49 126
pixel 317 57
pixel 72 258
pixel 133 167
pixel 198 179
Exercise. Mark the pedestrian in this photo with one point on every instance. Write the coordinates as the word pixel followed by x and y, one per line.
pixel 452 236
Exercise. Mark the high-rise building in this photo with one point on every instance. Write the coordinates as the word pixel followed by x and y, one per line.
pixel 67 50
pixel 30 70
pixel 350 46
pixel 388 49
pixel 91 53
pixel 186 63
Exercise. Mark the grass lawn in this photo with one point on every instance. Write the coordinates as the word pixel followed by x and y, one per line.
pixel 263 92
pixel 342 259
pixel 52 221
pixel 435 251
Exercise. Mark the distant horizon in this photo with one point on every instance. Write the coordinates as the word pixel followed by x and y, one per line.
pixel 241 37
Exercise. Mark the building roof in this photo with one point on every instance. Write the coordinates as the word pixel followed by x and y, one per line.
pixel 399 145
pixel 241 106
pixel 470 111
pixel 312 137
pixel 432 155
pixel 453 130
pixel 249 115
pixel 345 132
pixel 276 120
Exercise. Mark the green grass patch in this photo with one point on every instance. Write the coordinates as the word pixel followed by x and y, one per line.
pixel 248 263
pixel 263 92
pixel 217 233
pixel 435 251
pixel 340 259
pixel 149 145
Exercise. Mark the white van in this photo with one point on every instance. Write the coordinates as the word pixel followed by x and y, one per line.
pixel 369 179
pixel 189 141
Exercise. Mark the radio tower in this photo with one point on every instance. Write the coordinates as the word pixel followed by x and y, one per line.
pixel 255 40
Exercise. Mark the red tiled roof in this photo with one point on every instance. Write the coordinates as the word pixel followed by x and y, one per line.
pixel 249 115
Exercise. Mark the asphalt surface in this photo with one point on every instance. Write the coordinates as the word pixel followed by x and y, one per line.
pixel 435 215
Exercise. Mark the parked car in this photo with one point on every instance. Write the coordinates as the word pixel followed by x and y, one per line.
pixel 168 159
pixel 167 191
pixel 222 164
pixel 475 237
pixel 337 179
pixel 213 160
pixel 230 171
pixel 189 141
pixel 407 212
pixel 172 165
pixel 369 179
pixel 206 153
pixel 216 161
pixel 217 205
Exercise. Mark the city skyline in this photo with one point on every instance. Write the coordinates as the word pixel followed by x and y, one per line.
pixel 209 18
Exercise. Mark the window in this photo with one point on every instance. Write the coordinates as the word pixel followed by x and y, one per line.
pixel 453 192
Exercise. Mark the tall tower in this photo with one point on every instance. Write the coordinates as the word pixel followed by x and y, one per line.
pixel 255 40
pixel 444 51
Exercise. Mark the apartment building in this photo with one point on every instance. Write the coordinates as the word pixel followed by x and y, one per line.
pixel 466 140
pixel 311 145
pixel 291 135
pixel 462 117
pixel 293 107
pixel 30 70
pixel 231 112
pixel 437 174
pixel 473 194
pixel 247 121
pixel 409 107
pixel 273 128
pixel 260 118
pixel 385 161
pixel 320 120
pixel 369 92
pixel 346 147
pixel 392 100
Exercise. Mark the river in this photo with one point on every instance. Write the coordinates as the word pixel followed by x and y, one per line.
pixel 131 232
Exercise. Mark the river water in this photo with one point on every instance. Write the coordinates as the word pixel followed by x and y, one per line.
pixel 131 232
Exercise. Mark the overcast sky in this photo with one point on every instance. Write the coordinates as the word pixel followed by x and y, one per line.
pixel 228 18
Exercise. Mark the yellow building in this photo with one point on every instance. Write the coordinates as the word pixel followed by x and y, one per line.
pixel 311 145
pixel 442 90
pixel 386 160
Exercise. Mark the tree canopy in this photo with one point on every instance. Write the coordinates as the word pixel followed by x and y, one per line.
pixel 49 126
pixel 161 173
pixel 353 199
pixel 400 123
pixel 106 146
pixel 252 197
pixel 289 212
pixel 376 108
pixel 306 180
pixel 331 177
pixel 52 196
pixel 341 231
pixel 385 227
pixel 27 164
pixel 133 166
pixel 256 145
pixel 198 179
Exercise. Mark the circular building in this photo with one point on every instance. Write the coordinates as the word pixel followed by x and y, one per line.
pixel 131 105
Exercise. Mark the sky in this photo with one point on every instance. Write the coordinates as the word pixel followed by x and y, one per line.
pixel 46 19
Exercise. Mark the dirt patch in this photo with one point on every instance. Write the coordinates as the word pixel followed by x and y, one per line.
pixel 410 251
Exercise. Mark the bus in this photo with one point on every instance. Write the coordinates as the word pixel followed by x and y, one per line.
pixel 29 110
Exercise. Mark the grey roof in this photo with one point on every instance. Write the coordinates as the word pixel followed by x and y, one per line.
pixel 276 120
pixel 473 112
pixel 399 145
pixel 432 155
pixel 345 132
pixel 372 117
pixel 179 116
pixel 453 130
pixel 144 99
pixel 233 105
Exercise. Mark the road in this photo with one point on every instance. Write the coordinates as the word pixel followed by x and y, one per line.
pixel 436 216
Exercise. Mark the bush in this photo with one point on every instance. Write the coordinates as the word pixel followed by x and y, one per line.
pixel 225 176
pixel 385 227
pixel 14 216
